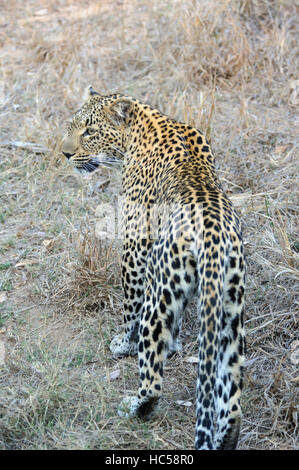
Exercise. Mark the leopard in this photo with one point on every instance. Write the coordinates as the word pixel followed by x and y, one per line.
pixel 182 238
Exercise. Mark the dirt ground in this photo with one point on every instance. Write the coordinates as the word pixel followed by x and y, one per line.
pixel 228 67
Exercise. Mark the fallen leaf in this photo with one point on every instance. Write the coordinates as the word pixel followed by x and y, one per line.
pixel 3 297
pixel 184 403
pixel 191 359
pixel 101 185
pixel 295 344
pixel 26 262
pixel 2 353
pixel 49 244
pixel 295 352
pixel 41 12
pixel 280 148
pixel 113 375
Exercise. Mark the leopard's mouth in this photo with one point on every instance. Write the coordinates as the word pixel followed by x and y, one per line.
pixel 101 160
pixel 88 166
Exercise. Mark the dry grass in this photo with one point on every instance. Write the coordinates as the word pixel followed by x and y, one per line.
pixel 230 69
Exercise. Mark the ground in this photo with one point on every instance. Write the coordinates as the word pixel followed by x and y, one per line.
pixel 229 68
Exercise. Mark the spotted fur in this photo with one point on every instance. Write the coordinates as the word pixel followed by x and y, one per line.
pixel 170 184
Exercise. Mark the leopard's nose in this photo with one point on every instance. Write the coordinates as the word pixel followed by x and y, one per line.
pixel 68 155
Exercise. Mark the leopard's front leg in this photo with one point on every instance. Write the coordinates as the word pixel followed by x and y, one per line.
pixel 133 269
pixel 165 299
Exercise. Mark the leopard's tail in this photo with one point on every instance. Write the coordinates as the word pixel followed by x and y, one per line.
pixel 210 299
pixel 220 351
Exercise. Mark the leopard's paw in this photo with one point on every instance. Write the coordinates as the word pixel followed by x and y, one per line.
pixel 145 408
pixel 120 346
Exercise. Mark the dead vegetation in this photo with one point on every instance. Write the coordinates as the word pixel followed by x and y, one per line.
pixel 230 69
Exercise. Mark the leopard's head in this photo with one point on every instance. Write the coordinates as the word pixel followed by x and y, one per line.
pixel 96 136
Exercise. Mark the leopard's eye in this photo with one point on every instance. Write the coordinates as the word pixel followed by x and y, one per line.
pixel 89 131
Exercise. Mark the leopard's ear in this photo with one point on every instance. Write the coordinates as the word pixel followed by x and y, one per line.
pixel 119 110
pixel 89 93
